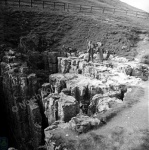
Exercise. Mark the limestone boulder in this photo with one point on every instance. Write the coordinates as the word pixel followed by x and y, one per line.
pixel 68 107
pixel 100 102
pixel 83 124
pixel 60 107
pixel 51 107
pixel 103 105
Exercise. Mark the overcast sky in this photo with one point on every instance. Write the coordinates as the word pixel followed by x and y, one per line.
pixel 142 4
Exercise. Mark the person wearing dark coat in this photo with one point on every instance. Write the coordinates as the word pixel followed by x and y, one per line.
pixel 90 49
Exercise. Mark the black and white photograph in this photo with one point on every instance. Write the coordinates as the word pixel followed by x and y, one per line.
pixel 74 74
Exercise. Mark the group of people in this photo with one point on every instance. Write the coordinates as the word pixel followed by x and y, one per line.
pixel 92 48
pixel 96 48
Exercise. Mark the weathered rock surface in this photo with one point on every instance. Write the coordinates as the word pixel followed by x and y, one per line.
pixel 24 115
pixel 82 124
pixel 77 90
pixel 60 107
pixel 102 70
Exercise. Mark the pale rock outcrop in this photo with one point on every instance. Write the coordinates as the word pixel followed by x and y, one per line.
pixel 67 107
pixel 100 102
pixel 60 107
pixel 74 86
pixel 82 123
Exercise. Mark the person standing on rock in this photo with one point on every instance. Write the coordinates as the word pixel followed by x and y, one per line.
pixel 99 52
pixel 90 48
pixel 107 54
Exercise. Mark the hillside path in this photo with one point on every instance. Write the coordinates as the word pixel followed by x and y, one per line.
pixel 137 116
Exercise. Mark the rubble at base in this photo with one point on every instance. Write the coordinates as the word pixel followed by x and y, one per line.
pixel 76 91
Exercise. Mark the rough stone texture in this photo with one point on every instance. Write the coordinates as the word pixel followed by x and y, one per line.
pixel 84 88
pixel 96 87
pixel 82 124
pixel 60 107
pixel 35 126
pixel 19 87
pixel 24 99
pixel 102 71
pixel 100 103
pixel 51 107
pixel 67 107
pixel 76 88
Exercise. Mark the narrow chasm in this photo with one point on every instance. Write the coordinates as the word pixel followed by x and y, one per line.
pixel 5 126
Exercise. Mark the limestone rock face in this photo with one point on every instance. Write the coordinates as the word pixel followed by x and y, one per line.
pixel 35 124
pixel 82 124
pixel 67 107
pixel 100 102
pixel 24 114
pixel 76 88
pixel 85 88
pixel 99 71
pixel 60 107
pixel 51 107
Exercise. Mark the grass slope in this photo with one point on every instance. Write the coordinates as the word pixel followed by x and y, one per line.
pixel 73 29
pixel 70 30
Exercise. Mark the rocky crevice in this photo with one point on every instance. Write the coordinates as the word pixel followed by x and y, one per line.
pixel 20 85
pixel 70 99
